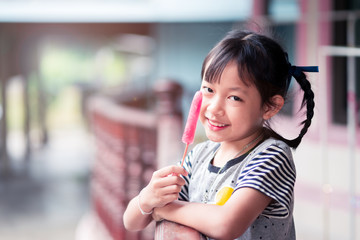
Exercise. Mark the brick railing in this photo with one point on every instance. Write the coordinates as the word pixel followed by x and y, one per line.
pixel 134 135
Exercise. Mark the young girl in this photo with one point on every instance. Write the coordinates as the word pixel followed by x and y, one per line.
pixel 239 184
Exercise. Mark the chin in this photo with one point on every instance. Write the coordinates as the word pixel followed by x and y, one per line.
pixel 214 138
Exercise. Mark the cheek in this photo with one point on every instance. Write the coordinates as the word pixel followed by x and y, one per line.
pixel 249 117
pixel 202 113
pixel 258 119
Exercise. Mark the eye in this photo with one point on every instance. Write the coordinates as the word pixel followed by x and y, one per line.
pixel 207 89
pixel 235 98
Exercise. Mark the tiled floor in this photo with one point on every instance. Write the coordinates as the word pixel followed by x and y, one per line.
pixel 45 198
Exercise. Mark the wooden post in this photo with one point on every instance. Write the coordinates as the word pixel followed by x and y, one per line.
pixel 42 106
pixel 170 123
pixel 27 119
pixel 4 159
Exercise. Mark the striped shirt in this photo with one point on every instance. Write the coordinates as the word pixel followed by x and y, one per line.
pixel 268 168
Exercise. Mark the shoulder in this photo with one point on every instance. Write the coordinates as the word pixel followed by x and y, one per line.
pixel 269 157
pixel 270 169
pixel 275 144
pixel 272 150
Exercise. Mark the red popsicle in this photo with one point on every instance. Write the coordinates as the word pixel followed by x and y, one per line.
pixel 190 127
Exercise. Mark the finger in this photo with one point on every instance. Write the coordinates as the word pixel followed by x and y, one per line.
pixel 171 189
pixel 167 181
pixel 183 172
pixel 161 194
pixel 164 172
pixel 180 170
pixel 173 174
pixel 176 180
pixel 167 199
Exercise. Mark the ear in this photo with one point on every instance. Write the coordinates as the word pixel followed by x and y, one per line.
pixel 270 110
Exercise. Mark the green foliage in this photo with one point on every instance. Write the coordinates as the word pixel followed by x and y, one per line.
pixel 63 66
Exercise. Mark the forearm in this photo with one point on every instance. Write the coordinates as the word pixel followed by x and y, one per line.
pixel 133 219
pixel 227 221
pixel 206 218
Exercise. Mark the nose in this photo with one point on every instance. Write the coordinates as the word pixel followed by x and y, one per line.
pixel 215 107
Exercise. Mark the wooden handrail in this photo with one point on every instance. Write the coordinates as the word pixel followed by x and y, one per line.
pixel 134 135
pixel 166 230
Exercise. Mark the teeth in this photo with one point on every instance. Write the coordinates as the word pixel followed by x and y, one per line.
pixel 218 125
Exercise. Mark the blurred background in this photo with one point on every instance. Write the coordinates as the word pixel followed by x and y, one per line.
pixel 94 95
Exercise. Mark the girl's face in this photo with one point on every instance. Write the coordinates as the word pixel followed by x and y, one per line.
pixel 231 111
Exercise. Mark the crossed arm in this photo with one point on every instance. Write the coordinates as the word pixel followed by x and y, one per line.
pixel 220 222
pixel 161 190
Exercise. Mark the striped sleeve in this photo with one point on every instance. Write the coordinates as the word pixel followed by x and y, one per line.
pixel 271 172
pixel 184 193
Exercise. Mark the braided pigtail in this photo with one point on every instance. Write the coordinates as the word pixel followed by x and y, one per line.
pixel 308 101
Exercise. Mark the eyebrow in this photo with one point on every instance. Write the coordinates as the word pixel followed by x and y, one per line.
pixel 238 89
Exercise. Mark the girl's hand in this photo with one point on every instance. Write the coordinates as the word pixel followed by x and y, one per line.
pixel 162 188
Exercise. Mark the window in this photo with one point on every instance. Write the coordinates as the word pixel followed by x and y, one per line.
pixel 339 72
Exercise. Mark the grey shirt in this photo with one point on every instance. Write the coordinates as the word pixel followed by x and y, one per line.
pixel 268 168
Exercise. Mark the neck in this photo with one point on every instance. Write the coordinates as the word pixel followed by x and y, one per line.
pixel 229 151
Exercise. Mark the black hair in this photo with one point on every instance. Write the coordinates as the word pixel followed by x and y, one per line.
pixel 263 62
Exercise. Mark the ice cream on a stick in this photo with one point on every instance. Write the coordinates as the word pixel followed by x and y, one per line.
pixel 190 127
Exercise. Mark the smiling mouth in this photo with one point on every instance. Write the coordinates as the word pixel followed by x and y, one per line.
pixel 215 125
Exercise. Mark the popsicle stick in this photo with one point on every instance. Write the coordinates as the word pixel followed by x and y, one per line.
pixel 185 151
